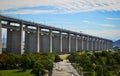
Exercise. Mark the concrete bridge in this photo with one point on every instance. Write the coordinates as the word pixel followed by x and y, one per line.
pixel 43 38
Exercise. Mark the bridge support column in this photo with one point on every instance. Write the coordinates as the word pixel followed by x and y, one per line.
pixel 60 41
pixel 0 37
pixel 21 39
pixel 96 45
pixel 76 43
pixel 91 44
pixel 15 40
pixel 87 43
pixel 38 39
pixel 82 43
pixel 101 45
pixel 79 43
pixel 56 42
pixel 30 42
pixel 69 43
pixel 50 33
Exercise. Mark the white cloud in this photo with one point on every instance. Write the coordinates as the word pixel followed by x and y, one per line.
pixel 109 34
pixel 89 22
pixel 62 6
pixel 113 18
pixel 30 12
pixel 101 25
pixel 108 25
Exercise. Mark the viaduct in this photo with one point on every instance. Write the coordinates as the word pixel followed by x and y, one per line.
pixel 43 38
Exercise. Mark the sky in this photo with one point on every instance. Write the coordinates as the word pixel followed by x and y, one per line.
pixel 95 17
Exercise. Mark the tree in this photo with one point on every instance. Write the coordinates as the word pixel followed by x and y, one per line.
pixel 39 68
pixel 25 62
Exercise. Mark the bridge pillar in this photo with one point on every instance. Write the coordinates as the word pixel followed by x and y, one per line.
pixel 102 44
pixel 69 43
pixel 21 38
pixel 15 40
pixel 73 43
pixel 91 44
pixel 56 43
pixel 79 43
pixel 50 33
pixel 0 37
pixel 96 44
pixel 87 43
pixel 45 42
pixel 89 47
pixel 31 42
pixel 65 44
pixel 61 42
pixel 82 43
pixel 38 38
pixel 76 43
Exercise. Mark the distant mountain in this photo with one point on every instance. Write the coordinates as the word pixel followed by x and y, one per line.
pixel 116 43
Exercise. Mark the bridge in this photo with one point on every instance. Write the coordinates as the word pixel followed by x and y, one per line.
pixel 42 38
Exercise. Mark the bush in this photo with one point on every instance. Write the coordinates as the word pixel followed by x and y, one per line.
pixel 57 58
pixel 38 68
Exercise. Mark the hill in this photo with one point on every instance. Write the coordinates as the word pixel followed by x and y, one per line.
pixel 116 43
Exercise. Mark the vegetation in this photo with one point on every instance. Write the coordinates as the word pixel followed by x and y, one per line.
pixel 40 63
pixel 96 63
pixel 15 72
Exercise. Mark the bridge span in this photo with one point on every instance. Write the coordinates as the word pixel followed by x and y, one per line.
pixel 43 38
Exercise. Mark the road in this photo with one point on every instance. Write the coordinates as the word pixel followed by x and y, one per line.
pixel 64 68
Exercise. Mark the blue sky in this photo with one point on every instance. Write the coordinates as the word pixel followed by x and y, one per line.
pixel 95 17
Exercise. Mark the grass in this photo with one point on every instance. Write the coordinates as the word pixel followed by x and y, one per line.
pixel 15 72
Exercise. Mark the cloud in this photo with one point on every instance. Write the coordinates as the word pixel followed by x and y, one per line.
pixel 109 34
pixel 61 6
pixel 108 25
pixel 113 18
pixel 88 22
pixel 30 12
pixel 97 24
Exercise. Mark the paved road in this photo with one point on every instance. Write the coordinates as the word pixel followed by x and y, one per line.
pixel 64 69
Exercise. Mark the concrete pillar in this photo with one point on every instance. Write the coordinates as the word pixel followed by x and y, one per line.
pixel 89 46
pixel 15 40
pixel 69 42
pixel 73 43
pixel 76 43
pixel 0 37
pixel 60 41
pixel 38 39
pixel 21 38
pixel 87 43
pixel 96 45
pixel 107 44
pixel 56 42
pixel 65 45
pixel 79 43
pixel 99 44
pixel 91 43
pixel 50 33
pixel 82 42
pixel 45 42
pixel 102 42
pixel 30 42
